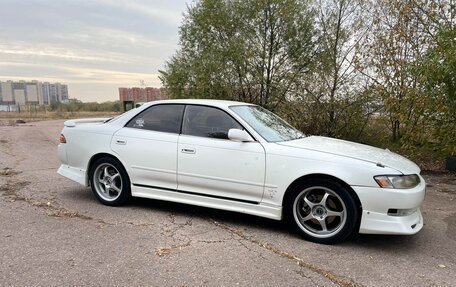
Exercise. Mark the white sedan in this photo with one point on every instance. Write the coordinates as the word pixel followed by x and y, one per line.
pixel 243 158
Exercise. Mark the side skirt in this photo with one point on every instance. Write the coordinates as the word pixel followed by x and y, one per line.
pixel 247 207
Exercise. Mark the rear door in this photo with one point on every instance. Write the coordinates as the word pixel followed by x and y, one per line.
pixel 148 146
pixel 211 164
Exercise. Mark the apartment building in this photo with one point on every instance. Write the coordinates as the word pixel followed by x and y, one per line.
pixel 14 93
pixel 131 96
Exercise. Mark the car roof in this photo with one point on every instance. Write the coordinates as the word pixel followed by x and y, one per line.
pixel 207 102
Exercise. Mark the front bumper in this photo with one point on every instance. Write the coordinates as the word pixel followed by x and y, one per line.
pixel 376 202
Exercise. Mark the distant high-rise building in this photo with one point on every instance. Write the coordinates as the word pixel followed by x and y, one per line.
pixel 32 93
pixel 53 93
pixel 45 92
pixel 6 94
pixel 63 93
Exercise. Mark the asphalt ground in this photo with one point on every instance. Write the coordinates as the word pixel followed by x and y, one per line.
pixel 53 232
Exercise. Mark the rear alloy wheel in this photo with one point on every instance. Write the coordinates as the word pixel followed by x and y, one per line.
pixel 109 181
pixel 322 211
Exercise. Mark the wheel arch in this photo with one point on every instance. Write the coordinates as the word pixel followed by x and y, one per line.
pixel 301 180
pixel 97 156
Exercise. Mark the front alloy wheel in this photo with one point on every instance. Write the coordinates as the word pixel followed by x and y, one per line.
pixel 322 211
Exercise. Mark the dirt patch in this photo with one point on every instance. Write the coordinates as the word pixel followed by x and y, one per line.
pixel 440 176
pixel 6 171
pixel 447 190
pixel 443 182
pixel 139 224
pixel 62 212
pixel 451 229
pixel 163 251
pixel 7 123
pixel 10 191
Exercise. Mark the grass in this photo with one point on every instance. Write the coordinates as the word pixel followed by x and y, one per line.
pixel 46 115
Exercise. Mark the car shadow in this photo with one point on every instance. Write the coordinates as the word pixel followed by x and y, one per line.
pixel 205 213
pixel 384 243
pixel 79 193
pixel 394 244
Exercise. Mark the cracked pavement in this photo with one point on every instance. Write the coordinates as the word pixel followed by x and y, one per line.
pixel 54 232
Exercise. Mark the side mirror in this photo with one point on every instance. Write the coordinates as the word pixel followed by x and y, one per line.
pixel 239 135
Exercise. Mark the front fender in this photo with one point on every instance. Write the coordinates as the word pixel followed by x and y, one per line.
pixel 284 167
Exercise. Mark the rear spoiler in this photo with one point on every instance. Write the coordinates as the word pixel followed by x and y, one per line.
pixel 73 123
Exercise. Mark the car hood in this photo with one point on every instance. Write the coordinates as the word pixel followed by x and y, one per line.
pixel 357 151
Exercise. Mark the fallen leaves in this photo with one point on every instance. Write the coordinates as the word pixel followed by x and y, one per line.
pixel 62 212
pixel 6 171
pixel 162 251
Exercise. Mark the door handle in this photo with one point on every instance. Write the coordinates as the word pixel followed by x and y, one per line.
pixel 121 142
pixel 188 150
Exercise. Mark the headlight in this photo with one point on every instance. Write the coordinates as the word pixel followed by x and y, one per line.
pixel 397 181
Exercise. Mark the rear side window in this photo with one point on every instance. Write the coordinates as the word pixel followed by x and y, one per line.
pixel 160 118
pixel 208 122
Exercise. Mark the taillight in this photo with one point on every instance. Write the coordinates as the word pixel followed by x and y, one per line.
pixel 62 138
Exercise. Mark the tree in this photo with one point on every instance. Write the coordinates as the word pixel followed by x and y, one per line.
pixel 331 95
pixel 412 49
pixel 398 42
pixel 255 51
pixel 327 66
pixel 437 71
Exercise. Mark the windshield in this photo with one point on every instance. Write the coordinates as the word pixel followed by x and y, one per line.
pixel 268 125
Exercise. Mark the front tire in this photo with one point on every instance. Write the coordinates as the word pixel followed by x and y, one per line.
pixel 109 181
pixel 321 211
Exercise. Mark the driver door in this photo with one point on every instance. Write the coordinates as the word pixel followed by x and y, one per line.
pixel 210 164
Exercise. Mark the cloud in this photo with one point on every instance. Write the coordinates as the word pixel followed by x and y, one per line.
pixel 43 50
pixel 71 74
pixel 163 10
pixel 102 43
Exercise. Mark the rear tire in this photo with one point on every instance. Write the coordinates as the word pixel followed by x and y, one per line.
pixel 321 211
pixel 109 181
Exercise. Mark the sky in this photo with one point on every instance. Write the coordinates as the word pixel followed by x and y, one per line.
pixel 94 46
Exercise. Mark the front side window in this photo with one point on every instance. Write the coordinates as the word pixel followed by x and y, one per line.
pixel 160 118
pixel 268 125
pixel 208 122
